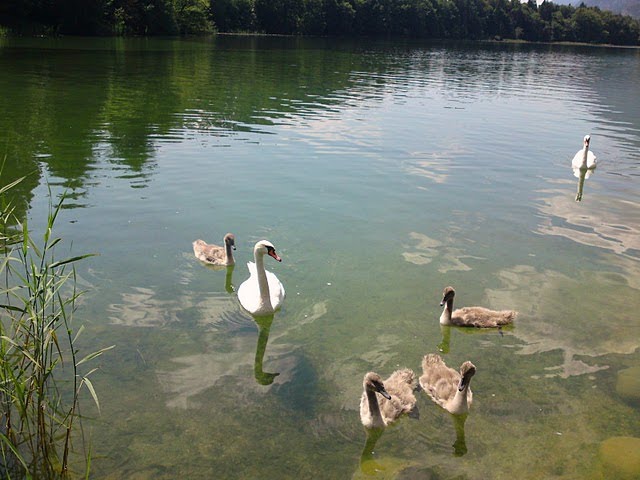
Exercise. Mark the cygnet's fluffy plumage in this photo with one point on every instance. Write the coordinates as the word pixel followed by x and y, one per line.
pixel 472 316
pixel 445 386
pixel 262 293
pixel 215 254
pixel 383 402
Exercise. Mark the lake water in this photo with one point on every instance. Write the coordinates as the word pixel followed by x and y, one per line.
pixel 382 172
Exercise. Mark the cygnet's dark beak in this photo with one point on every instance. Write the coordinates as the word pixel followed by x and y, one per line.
pixel 384 393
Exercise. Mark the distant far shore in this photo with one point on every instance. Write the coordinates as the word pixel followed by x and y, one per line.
pixel 8 34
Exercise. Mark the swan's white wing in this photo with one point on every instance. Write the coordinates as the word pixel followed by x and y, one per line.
pixel 576 163
pixel 577 160
pixel 252 269
pixel 249 292
pixel 276 290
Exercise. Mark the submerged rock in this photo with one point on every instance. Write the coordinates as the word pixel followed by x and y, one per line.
pixel 620 458
pixel 628 384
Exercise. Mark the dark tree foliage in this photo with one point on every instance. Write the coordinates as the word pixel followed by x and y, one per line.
pixel 340 16
pixel 459 19
pixel 234 15
pixel 106 17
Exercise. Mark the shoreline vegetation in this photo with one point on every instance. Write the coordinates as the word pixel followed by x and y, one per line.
pixel 492 20
pixel 42 375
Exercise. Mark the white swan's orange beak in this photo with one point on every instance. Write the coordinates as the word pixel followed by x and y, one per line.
pixel 272 253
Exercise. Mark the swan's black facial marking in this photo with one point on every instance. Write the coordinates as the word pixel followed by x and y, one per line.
pixel 467 370
pixel 374 383
pixel 464 382
pixel 381 390
pixel 231 240
pixel 448 293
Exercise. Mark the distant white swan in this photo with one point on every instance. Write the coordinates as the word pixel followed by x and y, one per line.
pixel 262 293
pixel 215 254
pixel 584 159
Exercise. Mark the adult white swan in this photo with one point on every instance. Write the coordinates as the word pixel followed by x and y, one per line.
pixel 262 293
pixel 583 159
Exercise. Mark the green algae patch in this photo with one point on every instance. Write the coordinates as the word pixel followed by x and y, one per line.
pixel 620 457
pixel 628 384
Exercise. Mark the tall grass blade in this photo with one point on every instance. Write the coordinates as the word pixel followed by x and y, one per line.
pixel 9 186
pixel 93 355
pixel 5 440
pixel 92 391
pixel 71 260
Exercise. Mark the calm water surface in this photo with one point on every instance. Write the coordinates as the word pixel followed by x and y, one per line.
pixel 382 172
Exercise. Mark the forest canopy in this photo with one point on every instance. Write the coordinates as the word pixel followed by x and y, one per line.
pixel 442 19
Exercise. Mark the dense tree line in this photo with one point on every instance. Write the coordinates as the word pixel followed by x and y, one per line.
pixel 107 17
pixel 455 19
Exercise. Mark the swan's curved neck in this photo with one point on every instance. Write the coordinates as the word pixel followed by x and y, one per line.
pixel 263 284
pixel 445 318
pixel 374 409
pixel 585 152
pixel 228 254
pixel 459 402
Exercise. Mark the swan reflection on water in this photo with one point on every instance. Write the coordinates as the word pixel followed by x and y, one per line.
pixel 264 326
pixel 368 463
pixel 383 466
pixel 444 346
pixel 228 280
pixel 581 175
pixel 460 445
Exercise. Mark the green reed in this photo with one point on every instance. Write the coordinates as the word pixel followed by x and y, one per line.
pixel 41 371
